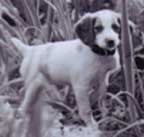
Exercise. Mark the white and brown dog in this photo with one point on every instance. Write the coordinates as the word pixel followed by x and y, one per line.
pixel 80 63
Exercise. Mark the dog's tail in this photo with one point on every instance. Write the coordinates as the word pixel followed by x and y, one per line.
pixel 20 46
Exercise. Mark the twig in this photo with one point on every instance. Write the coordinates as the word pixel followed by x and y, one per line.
pixel 112 119
pixel 140 112
pixel 18 80
pixel 60 104
pixel 137 123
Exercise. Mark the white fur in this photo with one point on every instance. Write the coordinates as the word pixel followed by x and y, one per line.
pixel 69 62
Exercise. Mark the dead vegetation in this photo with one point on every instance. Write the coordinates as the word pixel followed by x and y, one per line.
pixel 40 21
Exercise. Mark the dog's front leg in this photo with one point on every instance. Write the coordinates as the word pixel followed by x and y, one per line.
pixel 99 91
pixel 82 99
pixel 102 91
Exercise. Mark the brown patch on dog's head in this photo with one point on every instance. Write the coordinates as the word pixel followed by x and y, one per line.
pixel 84 29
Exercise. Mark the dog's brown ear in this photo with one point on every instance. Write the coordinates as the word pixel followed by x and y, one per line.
pixel 84 29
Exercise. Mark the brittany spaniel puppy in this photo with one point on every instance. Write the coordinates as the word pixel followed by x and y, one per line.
pixel 81 63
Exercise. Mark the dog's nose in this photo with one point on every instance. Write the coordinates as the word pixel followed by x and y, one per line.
pixel 110 43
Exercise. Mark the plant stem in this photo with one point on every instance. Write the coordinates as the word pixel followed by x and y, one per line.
pixel 127 58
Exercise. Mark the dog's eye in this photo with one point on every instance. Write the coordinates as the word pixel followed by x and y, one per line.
pixel 98 28
pixel 116 28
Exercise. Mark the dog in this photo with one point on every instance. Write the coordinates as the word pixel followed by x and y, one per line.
pixel 80 63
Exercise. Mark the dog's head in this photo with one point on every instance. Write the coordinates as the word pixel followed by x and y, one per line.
pixel 102 29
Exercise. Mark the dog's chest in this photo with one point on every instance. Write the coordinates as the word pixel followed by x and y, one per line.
pixel 100 69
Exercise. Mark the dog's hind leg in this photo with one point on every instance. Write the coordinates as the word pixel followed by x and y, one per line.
pixel 29 106
pixel 32 93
